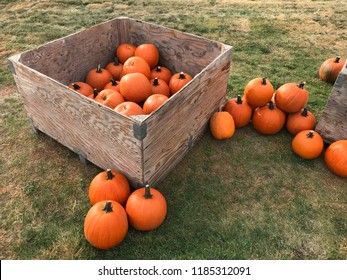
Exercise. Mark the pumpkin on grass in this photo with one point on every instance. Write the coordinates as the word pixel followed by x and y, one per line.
pixel 110 98
pixel 129 108
pixel 146 209
pixel 125 51
pixel 222 125
pixel 178 81
pixel 291 97
pixel 335 157
pixel 161 72
pixel 258 92
pixel 153 102
pixel 98 78
pixel 106 224
pixel 302 120
pixel 82 88
pixel 240 110
pixel 330 69
pixel 308 144
pixel 268 119
pixel 148 52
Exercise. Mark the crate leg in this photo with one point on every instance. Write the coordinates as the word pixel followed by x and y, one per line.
pixel 33 128
pixel 81 156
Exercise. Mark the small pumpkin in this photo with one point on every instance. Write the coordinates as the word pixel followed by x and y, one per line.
pixel 159 86
pixel 106 224
pixel 268 119
pixel 136 64
pixel 110 98
pixel 94 95
pixel 178 81
pixel 308 144
pixel 222 125
pixel 111 185
pixel 125 51
pixel 129 108
pixel 153 102
pixel 98 78
pixel 291 97
pixel 302 120
pixel 135 87
pixel 240 110
pixel 146 209
pixel 82 88
pixel 330 69
pixel 335 158
pixel 113 85
pixel 148 52
pixel 258 92
pixel 161 72
pixel 115 68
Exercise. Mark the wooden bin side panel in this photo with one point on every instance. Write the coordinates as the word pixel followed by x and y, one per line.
pixel 333 123
pixel 90 129
pixel 178 124
pixel 177 50
pixel 70 58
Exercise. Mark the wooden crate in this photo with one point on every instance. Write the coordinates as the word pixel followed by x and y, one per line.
pixel 333 123
pixel 145 148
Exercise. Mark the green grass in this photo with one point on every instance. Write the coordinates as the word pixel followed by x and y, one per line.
pixel 248 197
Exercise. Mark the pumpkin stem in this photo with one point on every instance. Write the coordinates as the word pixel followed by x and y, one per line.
pixel 263 82
pixel 98 69
pixel 95 93
pixel 109 174
pixel 304 112
pixel 337 59
pixel 310 134
pixel 239 99
pixel 147 192
pixel 76 86
pixel 182 76
pixel 271 105
pixel 158 69
pixel 155 82
pixel 108 207
pixel 301 85
pixel 116 62
pixel 113 81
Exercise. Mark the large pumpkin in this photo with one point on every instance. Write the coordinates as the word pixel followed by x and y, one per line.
pixel 302 120
pixel 136 64
pixel 335 157
pixel 109 184
pixel 148 52
pixel 222 125
pixel 258 92
pixel 240 110
pixel 291 97
pixel 98 78
pixel 106 224
pixel 146 209
pixel 308 144
pixel 330 69
pixel 135 87
pixel 268 119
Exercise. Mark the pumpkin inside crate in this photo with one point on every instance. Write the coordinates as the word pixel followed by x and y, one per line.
pixel 146 147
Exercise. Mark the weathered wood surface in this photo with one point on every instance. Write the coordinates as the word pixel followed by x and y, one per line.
pixel 333 123
pixel 101 135
pixel 178 124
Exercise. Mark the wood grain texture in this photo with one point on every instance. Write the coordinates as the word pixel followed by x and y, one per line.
pixel 333 123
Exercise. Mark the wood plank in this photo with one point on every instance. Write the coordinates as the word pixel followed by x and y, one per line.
pixel 333 123
pixel 105 137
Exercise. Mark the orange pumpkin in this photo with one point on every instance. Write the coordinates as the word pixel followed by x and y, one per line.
pixel 106 224
pixel 302 120
pixel 161 72
pixel 258 92
pixel 178 81
pixel 115 68
pixel 98 78
pixel 82 88
pixel 159 86
pixel 136 64
pixel 308 144
pixel 135 87
pixel 148 52
pixel 110 98
pixel 94 95
pixel 291 97
pixel 335 158
pixel 268 119
pixel 129 108
pixel 146 209
pixel 113 85
pixel 111 185
pixel 240 110
pixel 222 125
pixel 153 102
pixel 330 69
pixel 125 51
